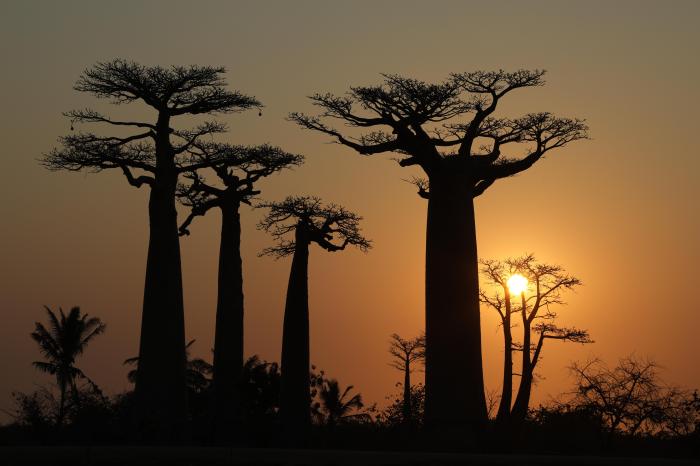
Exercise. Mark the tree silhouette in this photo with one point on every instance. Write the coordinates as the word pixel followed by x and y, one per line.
pixel 332 228
pixel 547 283
pixel 336 406
pixel 393 415
pixel 497 272
pixel 426 125
pixel 406 352
pixel 237 168
pixel 197 371
pixel 154 157
pixel 631 398
pixel 61 344
pixel 260 389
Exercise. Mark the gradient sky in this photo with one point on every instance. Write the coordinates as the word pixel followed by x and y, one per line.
pixel 619 211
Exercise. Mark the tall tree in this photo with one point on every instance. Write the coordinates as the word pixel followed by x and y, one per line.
pixel 154 157
pixel 405 353
pixel 237 168
pixel 332 228
pixel 546 284
pixel 440 128
pixel 61 344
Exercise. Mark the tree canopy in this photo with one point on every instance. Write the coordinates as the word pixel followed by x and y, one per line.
pixel 330 226
pixel 448 124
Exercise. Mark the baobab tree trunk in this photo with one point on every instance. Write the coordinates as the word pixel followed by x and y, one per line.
pixel 407 411
pixel 228 338
pixel 160 378
pixel 295 396
pixel 454 397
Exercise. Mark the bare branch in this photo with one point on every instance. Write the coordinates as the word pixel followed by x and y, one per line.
pixel 91 116
pixel 422 184
pixel 547 132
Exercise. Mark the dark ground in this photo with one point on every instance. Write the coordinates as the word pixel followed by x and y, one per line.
pixel 203 456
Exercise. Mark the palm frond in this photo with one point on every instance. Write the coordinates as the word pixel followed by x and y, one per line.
pixel 45 367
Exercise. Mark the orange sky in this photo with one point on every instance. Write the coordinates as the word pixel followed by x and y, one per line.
pixel 618 211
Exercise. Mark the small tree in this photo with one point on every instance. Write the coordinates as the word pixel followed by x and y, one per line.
pixel 449 131
pixel 153 157
pixel 393 415
pixel 547 283
pixel 332 228
pixel 631 398
pixel 238 169
pixel 61 344
pixel 404 353
pixel 260 390
pixel 338 406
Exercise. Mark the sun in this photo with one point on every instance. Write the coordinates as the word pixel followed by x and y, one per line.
pixel 517 284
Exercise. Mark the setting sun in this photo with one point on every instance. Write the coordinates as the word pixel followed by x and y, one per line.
pixel 517 284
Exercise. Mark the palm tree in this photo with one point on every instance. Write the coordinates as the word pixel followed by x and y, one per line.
pixel 260 389
pixel 336 407
pixel 61 344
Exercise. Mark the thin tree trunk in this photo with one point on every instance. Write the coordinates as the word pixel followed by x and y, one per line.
pixel 522 399
pixel 295 396
pixel 228 339
pixel 61 403
pixel 507 389
pixel 160 378
pixel 407 411
pixel 454 397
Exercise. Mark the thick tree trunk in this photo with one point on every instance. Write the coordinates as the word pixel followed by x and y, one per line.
pixel 507 389
pixel 454 397
pixel 160 379
pixel 228 339
pixel 407 411
pixel 295 396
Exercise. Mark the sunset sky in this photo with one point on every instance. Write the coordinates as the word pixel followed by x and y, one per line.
pixel 619 211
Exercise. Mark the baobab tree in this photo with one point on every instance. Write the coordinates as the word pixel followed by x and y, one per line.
pixel 61 344
pixel 332 228
pixel 449 131
pixel 154 157
pixel 237 169
pixel 404 354
pixel 547 283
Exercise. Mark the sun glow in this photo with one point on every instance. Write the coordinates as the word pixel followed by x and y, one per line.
pixel 517 284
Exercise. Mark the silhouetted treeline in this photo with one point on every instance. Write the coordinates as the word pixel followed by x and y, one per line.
pixel 340 420
pixel 625 409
